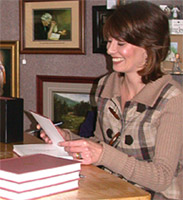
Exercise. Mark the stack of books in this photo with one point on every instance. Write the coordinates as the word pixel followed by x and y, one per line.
pixel 38 175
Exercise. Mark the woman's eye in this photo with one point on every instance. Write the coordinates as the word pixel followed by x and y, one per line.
pixel 121 43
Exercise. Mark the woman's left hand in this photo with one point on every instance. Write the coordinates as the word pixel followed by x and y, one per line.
pixel 87 151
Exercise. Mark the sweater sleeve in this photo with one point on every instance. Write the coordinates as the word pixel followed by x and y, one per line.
pixel 158 174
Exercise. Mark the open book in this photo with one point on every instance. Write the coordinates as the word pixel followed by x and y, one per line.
pixel 49 149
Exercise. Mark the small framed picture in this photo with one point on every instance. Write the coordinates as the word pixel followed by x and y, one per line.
pixel 176 49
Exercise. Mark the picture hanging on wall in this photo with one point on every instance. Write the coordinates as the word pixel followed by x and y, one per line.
pixel 52 26
pixel 100 14
pixel 175 15
pixel 65 98
pixel 174 61
pixel 9 68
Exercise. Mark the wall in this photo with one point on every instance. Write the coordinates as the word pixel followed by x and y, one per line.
pixel 40 64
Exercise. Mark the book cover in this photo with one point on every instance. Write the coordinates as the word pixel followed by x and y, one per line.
pixel 35 166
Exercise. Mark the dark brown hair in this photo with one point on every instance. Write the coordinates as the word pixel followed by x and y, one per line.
pixel 142 24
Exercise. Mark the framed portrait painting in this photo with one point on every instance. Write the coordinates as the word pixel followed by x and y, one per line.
pixel 9 68
pixel 65 98
pixel 52 26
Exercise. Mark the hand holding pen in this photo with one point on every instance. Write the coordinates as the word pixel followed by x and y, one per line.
pixel 40 129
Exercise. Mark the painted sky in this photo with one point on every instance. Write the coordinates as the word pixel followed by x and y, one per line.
pixel 76 97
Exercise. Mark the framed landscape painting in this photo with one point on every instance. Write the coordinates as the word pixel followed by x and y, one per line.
pixel 52 26
pixel 67 99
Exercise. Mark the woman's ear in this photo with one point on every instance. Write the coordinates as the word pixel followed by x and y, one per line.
pixel 145 57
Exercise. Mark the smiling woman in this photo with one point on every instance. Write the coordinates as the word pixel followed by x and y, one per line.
pixel 138 135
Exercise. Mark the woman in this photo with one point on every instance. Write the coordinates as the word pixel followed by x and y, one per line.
pixel 44 30
pixel 139 133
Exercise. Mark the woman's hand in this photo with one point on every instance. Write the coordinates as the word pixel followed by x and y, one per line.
pixel 47 140
pixel 89 151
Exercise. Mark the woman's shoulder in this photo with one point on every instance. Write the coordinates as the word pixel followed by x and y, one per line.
pixel 177 85
pixel 173 88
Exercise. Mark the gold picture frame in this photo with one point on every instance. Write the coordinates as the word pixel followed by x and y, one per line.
pixel 67 36
pixel 9 56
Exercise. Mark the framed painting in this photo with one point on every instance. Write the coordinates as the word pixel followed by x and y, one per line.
pixel 100 14
pixel 9 68
pixel 52 26
pixel 65 98
pixel 175 49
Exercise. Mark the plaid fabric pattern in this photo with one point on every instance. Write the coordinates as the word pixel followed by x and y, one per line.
pixel 138 127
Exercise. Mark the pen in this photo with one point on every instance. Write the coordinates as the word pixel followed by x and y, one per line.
pixel 37 130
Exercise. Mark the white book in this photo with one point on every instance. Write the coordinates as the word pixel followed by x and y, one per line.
pixel 48 149
pixel 37 175
pixel 38 183
pixel 41 192
pixel 34 167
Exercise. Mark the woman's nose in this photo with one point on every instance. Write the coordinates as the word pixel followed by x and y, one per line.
pixel 111 48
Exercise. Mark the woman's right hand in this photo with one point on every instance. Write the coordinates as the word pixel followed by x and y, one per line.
pixel 47 140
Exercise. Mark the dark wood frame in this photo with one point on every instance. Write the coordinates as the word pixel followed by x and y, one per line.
pixel 13 69
pixel 99 13
pixel 52 50
pixel 40 79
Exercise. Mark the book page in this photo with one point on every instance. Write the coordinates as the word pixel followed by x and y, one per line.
pixel 48 149
pixel 49 128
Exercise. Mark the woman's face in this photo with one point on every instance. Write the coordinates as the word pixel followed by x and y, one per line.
pixel 127 58
pixel 45 23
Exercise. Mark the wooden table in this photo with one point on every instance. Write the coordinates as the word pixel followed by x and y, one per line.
pixel 96 184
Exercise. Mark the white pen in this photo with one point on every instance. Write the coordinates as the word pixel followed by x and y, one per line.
pixel 37 130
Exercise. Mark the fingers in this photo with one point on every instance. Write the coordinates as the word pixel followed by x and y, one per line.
pixel 86 151
pixel 38 126
pixel 45 138
pixel 82 142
